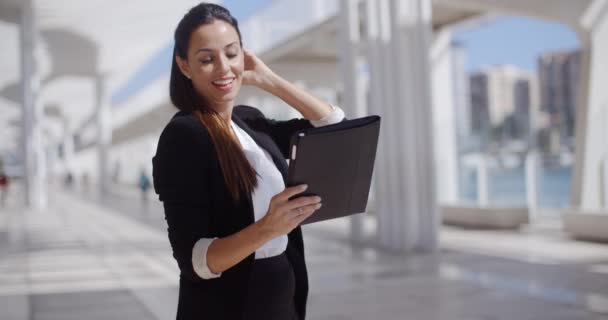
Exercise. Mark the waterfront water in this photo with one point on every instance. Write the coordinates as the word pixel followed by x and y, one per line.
pixel 507 187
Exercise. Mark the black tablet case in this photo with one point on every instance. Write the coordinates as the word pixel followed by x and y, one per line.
pixel 336 162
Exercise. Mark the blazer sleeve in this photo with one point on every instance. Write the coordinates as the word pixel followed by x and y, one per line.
pixel 279 130
pixel 181 179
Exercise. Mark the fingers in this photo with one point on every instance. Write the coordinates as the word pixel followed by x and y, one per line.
pixel 306 212
pixel 248 55
pixel 290 192
pixel 303 201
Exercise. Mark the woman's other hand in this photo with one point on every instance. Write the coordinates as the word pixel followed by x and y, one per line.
pixel 285 215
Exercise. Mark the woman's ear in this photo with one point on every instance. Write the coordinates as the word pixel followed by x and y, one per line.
pixel 183 67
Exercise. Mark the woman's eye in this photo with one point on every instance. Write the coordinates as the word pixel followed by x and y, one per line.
pixel 205 61
pixel 231 56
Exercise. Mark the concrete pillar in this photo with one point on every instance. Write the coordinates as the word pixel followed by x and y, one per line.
pixel 401 87
pixel 482 181
pixel 412 32
pixel 444 67
pixel 68 146
pixel 604 182
pixel 34 158
pixel 377 98
pixel 532 175
pixel 387 171
pixel 103 118
pixel 52 157
pixel 591 143
pixel 355 107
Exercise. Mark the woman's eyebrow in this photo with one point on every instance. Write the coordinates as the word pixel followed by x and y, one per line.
pixel 231 44
pixel 211 50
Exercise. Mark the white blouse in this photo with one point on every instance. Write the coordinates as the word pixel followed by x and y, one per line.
pixel 270 182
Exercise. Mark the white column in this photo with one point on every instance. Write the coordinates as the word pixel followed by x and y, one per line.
pixel 532 174
pixel 604 182
pixel 445 100
pixel 377 98
pixel 401 88
pixel 103 118
pixel 68 146
pixel 349 44
pixel 482 180
pixel 591 140
pixel 412 32
pixel 389 197
pixel 579 166
pixel 52 155
pixel 34 158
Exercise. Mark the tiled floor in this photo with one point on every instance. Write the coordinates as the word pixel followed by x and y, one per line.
pixel 82 259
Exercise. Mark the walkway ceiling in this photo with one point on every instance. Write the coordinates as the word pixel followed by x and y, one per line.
pixel 320 43
pixel 80 39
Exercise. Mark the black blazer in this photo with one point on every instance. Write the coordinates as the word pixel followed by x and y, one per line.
pixel 189 182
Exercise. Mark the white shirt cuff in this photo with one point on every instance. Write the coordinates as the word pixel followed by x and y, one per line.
pixel 335 116
pixel 199 259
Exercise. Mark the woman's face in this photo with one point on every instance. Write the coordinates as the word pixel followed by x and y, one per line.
pixel 215 63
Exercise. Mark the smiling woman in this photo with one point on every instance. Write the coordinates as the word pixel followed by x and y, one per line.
pixel 220 172
pixel 214 66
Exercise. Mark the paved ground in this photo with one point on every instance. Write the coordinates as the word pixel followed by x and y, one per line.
pixel 89 259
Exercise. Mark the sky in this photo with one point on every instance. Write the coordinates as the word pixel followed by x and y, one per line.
pixel 242 9
pixel 514 40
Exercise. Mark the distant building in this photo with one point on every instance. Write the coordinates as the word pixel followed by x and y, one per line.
pixel 462 93
pixel 558 74
pixel 504 99
pixel 480 121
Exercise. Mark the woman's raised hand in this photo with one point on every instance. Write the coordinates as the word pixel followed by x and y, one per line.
pixel 256 72
pixel 285 215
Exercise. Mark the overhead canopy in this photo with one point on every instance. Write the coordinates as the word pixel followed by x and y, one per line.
pixel 79 40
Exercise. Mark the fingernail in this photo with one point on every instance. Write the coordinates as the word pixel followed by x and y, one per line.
pixel 304 186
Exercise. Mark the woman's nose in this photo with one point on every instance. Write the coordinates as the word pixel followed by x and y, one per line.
pixel 223 65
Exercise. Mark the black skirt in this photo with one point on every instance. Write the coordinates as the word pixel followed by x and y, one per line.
pixel 271 290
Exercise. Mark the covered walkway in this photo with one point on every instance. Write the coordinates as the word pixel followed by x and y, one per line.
pixel 84 260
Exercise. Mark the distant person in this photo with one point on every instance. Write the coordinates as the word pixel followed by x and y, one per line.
pixel 85 182
pixel 144 185
pixel 220 171
pixel 116 173
pixel 69 180
pixel 3 188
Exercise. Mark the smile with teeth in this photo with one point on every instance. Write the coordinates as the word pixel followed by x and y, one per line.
pixel 224 85
pixel 223 82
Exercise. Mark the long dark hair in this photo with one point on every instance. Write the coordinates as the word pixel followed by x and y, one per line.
pixel 239 175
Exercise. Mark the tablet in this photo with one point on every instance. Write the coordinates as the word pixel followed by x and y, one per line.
pixel 336 162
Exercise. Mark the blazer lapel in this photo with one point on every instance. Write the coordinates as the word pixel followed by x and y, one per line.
pixel 264 141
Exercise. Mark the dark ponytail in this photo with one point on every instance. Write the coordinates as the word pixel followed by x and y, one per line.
pixel 239 175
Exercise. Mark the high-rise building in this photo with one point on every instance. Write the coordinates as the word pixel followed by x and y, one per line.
pixel 558 74
pixel 462 95
pixel 478 85
pixel 504 99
